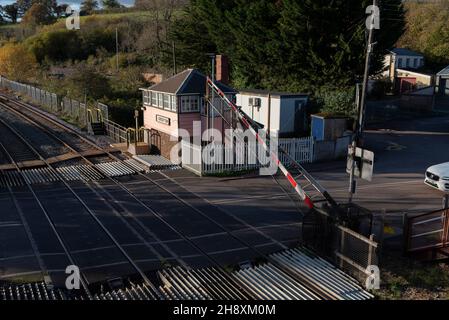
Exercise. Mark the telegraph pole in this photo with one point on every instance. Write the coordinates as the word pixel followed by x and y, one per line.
pixel 175 71
pixel 116 48
pixel 361 105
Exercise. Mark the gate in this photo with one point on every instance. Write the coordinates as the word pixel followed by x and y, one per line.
pixel 427 235
pixel 351 251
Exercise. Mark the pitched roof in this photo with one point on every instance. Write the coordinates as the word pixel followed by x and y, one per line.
pixel 190 81
pixel 444 72
pixel 406 52
pixel 264 93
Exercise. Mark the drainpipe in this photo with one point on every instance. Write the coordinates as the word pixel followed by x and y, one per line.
pixel 269 114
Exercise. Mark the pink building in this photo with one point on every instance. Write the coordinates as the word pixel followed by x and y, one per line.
pixel 175 104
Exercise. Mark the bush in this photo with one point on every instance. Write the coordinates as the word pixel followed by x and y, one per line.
pixel 16 62
pixel 61 45
pixel 336 102
pixel 86 80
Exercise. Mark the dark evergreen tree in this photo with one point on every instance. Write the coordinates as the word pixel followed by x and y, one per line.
pixel 288 44
pixel 111 4
pixel 10 12
pixel 88 7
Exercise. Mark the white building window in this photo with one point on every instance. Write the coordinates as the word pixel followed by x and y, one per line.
pixel 160 100
pixel 166 101
pixel 146 97
pixel 173 103
pixel 154 99
pixel 190 104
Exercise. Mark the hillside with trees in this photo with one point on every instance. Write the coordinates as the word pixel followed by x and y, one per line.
pixel 427 31
pixel 79 62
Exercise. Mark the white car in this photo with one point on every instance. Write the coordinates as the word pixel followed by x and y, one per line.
pixel 438 177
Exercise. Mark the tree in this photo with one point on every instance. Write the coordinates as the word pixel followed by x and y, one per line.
pixel 11 12
pixel 61 10
pixel 16 62
pixel 88 7
pixel 86 80
pixel 23 6
pixel 38 14
pixel 287 45
pixel 428 31
pixel 111 4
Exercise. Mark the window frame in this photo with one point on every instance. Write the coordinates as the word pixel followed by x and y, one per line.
pixel 153 99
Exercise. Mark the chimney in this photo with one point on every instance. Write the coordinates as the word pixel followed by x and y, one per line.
pixel 222 66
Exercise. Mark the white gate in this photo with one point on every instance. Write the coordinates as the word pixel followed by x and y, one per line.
pixel 241 157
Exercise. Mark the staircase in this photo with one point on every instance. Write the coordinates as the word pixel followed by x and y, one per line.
pixel 98 128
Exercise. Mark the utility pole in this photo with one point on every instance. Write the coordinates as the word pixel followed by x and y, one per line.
pixel 175 71
pixel 116 48
pixel 361 107
pixel 210 111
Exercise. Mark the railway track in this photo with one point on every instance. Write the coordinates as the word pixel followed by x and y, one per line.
pixel 154 213
pixel 54 226
pixel 199 213
pixel 20 152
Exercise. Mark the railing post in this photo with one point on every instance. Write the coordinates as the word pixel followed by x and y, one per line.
pixel 342 246
pixel 370 250
pixel 406 233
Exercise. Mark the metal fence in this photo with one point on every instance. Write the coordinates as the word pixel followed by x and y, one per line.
pixel 427 231
pixel 351 251
pixel 71 109
pixel 115 131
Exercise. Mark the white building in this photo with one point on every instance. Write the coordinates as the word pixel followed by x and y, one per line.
pixel 284 114
pixel 400 58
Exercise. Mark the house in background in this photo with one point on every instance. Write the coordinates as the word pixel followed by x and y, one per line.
pixel 175 104
pixel 282 114
pixel 403 69
pixel 400 58
pixel 442 82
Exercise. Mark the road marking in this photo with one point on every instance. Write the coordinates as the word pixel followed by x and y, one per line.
pixel 395 147
pixel 365 187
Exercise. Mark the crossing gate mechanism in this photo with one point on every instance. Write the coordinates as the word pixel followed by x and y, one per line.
pixel 249 124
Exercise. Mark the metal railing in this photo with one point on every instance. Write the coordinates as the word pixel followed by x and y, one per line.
pixel 351 251
pixel 427 231
pixel 115 131
pixel 76 111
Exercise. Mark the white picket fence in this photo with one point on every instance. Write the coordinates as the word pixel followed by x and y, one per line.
pixel 300 149
pixel 218 159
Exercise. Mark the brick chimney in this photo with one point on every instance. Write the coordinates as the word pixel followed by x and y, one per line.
pixel 222 66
